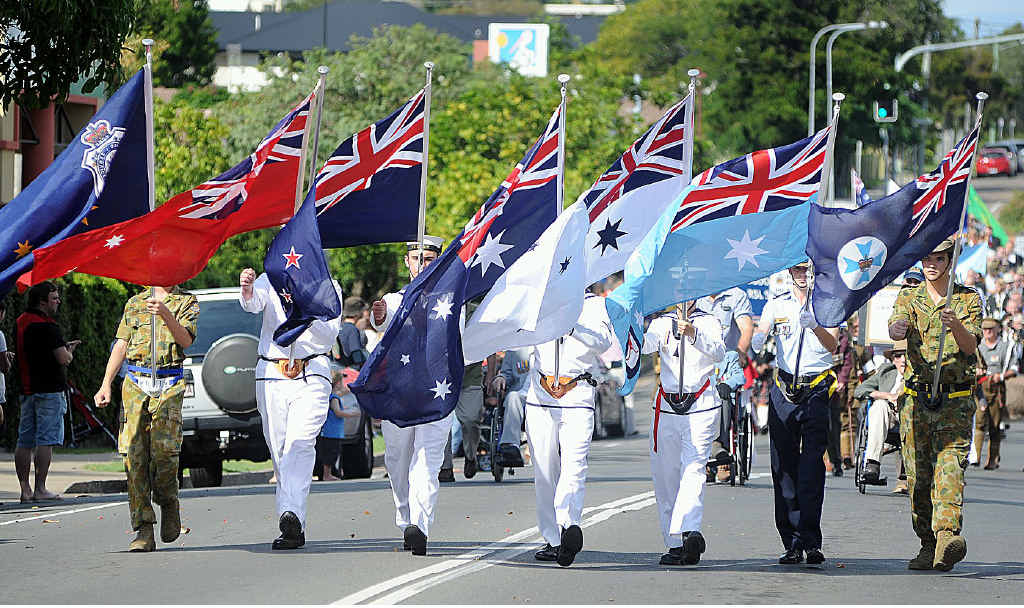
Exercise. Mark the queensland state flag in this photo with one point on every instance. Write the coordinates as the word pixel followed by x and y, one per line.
pixel 369 189
pixel 174 242
pixel 99 179
pixel 296 267
pixel 737 222
pixel 414 375
pixel 858 252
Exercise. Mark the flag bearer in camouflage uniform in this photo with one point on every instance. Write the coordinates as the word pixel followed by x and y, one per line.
pixel 936 430
pixel 150 439
pixel 999 363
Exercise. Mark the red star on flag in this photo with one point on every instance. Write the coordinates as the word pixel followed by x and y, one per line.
pixel 292 259
pixel 287 296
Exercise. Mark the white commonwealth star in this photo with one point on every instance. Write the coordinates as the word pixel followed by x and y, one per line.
pixel 443 308
pixel 490 253
pixel 405 360
pixel 441 389
pixel 745 250
pixel 114 241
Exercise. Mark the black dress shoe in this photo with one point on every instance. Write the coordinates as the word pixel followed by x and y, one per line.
pixel 975 464
pixel 572 542
pixel 446 475
pixel 693 545
pixel 510 456
pixel 674 557
pixel 469 469
pixel 847 463
pixel 292 536
pixel 871 471
pixel 415 540
pixel 815 557
pixel 991 467
pixel 793 556
pixel 547 553
pixel 837 470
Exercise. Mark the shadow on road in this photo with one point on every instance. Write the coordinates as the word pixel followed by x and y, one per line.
pixel 371 545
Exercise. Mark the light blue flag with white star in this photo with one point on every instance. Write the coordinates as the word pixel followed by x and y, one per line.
pixel 737 222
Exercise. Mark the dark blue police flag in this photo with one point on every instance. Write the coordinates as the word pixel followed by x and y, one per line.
pixel 297 268
pixel 857 252
pixel 98 180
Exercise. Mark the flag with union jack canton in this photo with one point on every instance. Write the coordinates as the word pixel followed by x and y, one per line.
pixel 368 191
pixel 415 373
pixel 737 222
pixel 173 243
pixel 857 252
pixel 627 199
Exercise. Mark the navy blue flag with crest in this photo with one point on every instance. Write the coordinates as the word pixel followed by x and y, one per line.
pixel 857 252
pixel 374 177
pixel 414 375
pixel 98 180
pixel 297 268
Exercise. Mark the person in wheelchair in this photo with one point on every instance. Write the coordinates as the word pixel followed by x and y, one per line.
pixel 884 389
pixel 511 380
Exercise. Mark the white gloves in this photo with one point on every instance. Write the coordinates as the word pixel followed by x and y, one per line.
pixel 757 341
pixel 807 320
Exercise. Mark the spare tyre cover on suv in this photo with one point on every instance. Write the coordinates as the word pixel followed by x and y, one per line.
pixel 229 373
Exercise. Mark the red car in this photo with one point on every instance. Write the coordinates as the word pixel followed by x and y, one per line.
pixel 994 161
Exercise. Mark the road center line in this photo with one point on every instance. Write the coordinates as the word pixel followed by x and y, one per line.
pixel 59 513
pixel 414 582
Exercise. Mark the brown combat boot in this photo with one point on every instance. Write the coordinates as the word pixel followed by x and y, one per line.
pixel 170 521
pixel 949 549
pixel 144 541
pixel 925 557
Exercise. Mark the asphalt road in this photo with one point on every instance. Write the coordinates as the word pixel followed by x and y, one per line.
pixel 997 190
pixel 484 537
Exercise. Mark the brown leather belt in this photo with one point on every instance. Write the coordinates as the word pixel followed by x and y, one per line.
pixel 564 384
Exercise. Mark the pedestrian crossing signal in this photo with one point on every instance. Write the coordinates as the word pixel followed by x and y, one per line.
pixel 887 111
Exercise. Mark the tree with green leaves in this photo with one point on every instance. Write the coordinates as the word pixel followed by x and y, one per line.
pixel 46 46
pixel 187 41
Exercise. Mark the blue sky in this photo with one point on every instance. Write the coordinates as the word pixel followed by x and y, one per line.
pixel 995 15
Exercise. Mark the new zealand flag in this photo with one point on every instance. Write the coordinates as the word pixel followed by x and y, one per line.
pixel 414 375
pixel 857 252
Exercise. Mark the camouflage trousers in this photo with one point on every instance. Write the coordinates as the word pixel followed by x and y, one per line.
pixel 935 445
pixel 150 442
pixel 986 421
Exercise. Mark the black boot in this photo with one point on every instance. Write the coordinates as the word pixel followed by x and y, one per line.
pixel 871 471
pixel 292 536
pixel 693 545
pixel 572 542
pixel 547 553
pixel 674 557
pixel 792 556
pixel 415 540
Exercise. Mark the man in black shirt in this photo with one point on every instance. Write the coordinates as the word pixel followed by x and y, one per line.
pixel 43 357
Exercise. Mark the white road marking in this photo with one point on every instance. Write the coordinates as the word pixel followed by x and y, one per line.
pixel 415 582
pixel 59 513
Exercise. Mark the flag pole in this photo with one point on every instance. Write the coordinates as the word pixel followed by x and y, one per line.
pixel 826 169
pixel 150 177
pixel 981 96
pixel 563 79
pixel 421 225
pixel 683 313
pixel 301 177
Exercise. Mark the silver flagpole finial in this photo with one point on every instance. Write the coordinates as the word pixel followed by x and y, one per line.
pixel 837 97
pixel 563 78
pixel 323 70
pixel 693 72
pixel 428 64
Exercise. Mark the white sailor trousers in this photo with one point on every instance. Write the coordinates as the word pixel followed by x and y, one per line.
pixel 293 412
pixel 559 441
pixel 678 467
pixel 413 457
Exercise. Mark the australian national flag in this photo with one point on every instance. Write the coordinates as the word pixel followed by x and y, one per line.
pixel 858 252
pixel 414 375
pixel 369 189
pixel 99 179
pixel 297 268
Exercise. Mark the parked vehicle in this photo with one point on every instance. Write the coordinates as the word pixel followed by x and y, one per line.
pixel 995 161
pixel 1016 146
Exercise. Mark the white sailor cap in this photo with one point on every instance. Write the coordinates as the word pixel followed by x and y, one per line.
pixel 430 243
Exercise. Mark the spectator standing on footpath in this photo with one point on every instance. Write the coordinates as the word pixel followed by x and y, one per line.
pixel 150 440
pixel 997 363
pixel 42 367
pixel 6 359
pixel 351 340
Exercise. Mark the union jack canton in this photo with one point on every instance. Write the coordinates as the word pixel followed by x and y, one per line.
pixel 955 168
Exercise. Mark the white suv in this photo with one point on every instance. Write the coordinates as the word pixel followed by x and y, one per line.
pixel 219 416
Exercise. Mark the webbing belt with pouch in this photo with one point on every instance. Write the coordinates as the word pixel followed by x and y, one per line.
pixel 946 391
pixel 292 369
pixel 798 391
pixel 564 383
pixel 679 402
pixel 143 378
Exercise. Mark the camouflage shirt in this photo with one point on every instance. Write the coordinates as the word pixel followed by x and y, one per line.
pixel 134 328
pixel 916 306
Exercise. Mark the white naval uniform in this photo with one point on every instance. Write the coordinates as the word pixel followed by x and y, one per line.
pixel 684 441
pixel 413 455
pixel 559 430
pixel 293 410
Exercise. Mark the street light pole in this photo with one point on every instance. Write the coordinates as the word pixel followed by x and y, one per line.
pixel 814 47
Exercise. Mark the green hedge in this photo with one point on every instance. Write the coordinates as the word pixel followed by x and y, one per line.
pixel 90 311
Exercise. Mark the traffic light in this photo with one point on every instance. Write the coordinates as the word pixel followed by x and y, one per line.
pixel 887 110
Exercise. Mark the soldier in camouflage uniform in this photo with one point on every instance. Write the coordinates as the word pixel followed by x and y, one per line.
pixel 936 431
pixel 150 438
